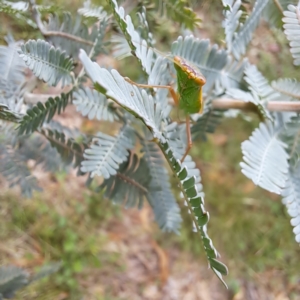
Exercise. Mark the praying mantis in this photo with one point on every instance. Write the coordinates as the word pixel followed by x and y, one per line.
pixel 188 97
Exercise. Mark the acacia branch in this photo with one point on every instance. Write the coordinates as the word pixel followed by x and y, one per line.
pixel 227 103
pixel 219 103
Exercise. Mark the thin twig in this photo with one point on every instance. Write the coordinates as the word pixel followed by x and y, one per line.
pixel 226 103
pixel 132 182
pixel 277 3
pixel 45 32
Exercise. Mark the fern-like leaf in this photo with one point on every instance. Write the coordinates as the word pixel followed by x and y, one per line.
pixel 94 105
pixel 206 123
pixel 8 115
pixel 237 42
pixel 232 15
pixel 232 74
pixel 189 182
pixel 292 31
pixel 98 33
pixel 265 158
pixel 144 54
pixel 144 27
pixel 91 11
pixel 39 150
pixel 11 64
pixel 36 116
pixel 73 35
pixel 260 91
pixel 291 136
pixel 115 87
pixel 147 57
pixel 288 87
pixel 104 156
pixel 46 62
pixel 273 12
pixel 14 168
pixel 178 11
pixel 160 196
pixel 130 185
pixel 291 193
pixel 291 199
pixel 18 10
pixel 20 6
pixel 69 150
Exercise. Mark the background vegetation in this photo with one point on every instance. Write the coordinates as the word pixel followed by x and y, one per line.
pixel 108 254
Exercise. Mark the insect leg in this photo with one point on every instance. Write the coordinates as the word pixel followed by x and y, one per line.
pixel 189 138
pixel 171 90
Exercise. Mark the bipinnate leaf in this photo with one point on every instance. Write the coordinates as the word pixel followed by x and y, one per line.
pixel 40 113
pixel 131 98
pixel 191 188
pixel 292 30
pixel 105 155
pixel 265 158
pixel 47 63
pixel 93 104
pixel 160 195
pixel 129 185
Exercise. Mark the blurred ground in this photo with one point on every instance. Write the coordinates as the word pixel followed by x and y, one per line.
pixel 111 253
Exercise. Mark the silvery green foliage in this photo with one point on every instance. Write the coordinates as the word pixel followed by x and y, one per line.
pixel 260 92
pixel 43 113
pixel 265 158
pixel 75 28
pixel 274 9
pixel 8 115
pixel 206 123
pixel 14 168
pixel 47 63
pixel 292 30
pixel 20 6
pixel 19 10
pixel 12 77
pixel 288 88
pixel 94 105
pixel 11 64
pixel 115 87
pixel 150 112
pixel 270 155
pixel 291 196
pixel 291 193
pixel 191 192
pixel 160 195
pixel 144 54
pixel 144 28
pixel 129 186
pixel 239 35
pixel 106 153
pixel 91 11
pixel 64 141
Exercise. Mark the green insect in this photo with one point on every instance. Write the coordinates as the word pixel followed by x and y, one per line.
pixel 189 93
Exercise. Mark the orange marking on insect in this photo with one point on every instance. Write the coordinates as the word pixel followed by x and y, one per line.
pixel 192 72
